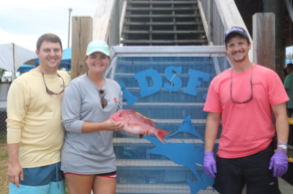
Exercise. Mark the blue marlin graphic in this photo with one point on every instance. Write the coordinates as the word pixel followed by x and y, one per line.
pixel 186 154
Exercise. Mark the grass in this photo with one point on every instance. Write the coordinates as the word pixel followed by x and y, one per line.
pixel 2 137
pixel 4 183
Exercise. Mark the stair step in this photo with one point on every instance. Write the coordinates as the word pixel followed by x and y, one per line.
pixel 161 23
pixel 172 127
pixel 161 2
pixel 162 163
pixel 139 151
pixel 152 188
pixel 130 81
pixel 168 96
pixel 140 142
pixel 148 188
pixel 164 32
pixel 164 41
pixel 163 16
pixel 161 8
pixel 166 114
pixel 201 63
pixel 167 104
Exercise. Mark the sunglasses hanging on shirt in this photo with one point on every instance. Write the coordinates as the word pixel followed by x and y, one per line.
pixel 49 91
pixel 251 96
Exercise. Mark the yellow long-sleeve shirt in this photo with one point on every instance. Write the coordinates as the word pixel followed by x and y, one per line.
pixel 34 118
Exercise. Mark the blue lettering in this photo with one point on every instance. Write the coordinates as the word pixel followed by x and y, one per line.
pixel 177 83
pixel 130 98
pixel 193 81
pixel 145 90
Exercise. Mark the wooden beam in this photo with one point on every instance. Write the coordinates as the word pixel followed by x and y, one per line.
pixel 289 8
pixel 82 28
pixel 102 20
pixel 264 39
pixel 230 16
pixel 205 22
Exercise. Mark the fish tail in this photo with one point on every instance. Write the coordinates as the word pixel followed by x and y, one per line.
pixel 161 134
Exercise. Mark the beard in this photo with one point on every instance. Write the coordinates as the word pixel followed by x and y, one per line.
pixel 239 60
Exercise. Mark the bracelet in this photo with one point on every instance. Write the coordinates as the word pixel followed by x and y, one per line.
pixel 281 143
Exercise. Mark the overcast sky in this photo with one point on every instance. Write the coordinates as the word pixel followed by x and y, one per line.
pixel 26 20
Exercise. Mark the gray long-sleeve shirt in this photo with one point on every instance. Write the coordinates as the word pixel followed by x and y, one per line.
pixel 88 153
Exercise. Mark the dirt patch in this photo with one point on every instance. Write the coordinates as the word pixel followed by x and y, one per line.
pixel 4 183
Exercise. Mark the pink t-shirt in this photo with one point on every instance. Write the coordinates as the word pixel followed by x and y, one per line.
pixel 246 128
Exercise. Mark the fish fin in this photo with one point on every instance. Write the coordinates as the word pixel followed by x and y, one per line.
pixel 161 134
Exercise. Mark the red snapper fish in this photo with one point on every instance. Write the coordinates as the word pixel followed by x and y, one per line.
pixel 136 123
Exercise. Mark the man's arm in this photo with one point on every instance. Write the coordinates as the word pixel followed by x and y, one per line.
pixel 209 163
pixel 282 125
pixel 16 109
pixel 14 169
pixel 279 160
pixel 213 121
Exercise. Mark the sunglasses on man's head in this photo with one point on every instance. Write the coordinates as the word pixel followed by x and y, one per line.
pixel 49 91
pixel 104 102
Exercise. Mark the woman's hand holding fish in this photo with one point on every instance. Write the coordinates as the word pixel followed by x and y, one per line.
pixel 111 126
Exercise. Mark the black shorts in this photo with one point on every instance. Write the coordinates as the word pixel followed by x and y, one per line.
pixel 253 170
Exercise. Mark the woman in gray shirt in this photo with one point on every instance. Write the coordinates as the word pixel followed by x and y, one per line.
pixel 87 158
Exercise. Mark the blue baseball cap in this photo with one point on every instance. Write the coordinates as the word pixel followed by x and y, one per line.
pixel 238 30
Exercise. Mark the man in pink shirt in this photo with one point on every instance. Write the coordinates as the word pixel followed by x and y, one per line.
pixel 245 98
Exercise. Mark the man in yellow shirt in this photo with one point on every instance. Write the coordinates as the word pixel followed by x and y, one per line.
pixel 34 130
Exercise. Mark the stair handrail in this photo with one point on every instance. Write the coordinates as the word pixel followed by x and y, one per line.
pixel 123 13
pixel 105 22
pixel 227 12
pixel 289 8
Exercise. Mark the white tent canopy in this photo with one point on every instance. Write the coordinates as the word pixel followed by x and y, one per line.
pixel 12 56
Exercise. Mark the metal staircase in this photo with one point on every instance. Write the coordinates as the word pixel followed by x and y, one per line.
pixel 163 22
pixel 138 170
pixel 159 35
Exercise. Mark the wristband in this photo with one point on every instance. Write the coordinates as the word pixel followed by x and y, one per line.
pixel 282 146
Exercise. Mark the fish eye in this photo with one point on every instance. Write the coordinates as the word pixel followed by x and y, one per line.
pixel 119 114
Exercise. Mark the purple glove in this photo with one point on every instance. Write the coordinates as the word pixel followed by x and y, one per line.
pixel 280 163
pixel 209 164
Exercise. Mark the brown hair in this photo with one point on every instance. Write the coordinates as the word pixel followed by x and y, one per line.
pixel 50 38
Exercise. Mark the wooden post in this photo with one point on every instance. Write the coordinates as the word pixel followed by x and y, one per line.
pixel 82 35
pixel 264 39
pixel 277 7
